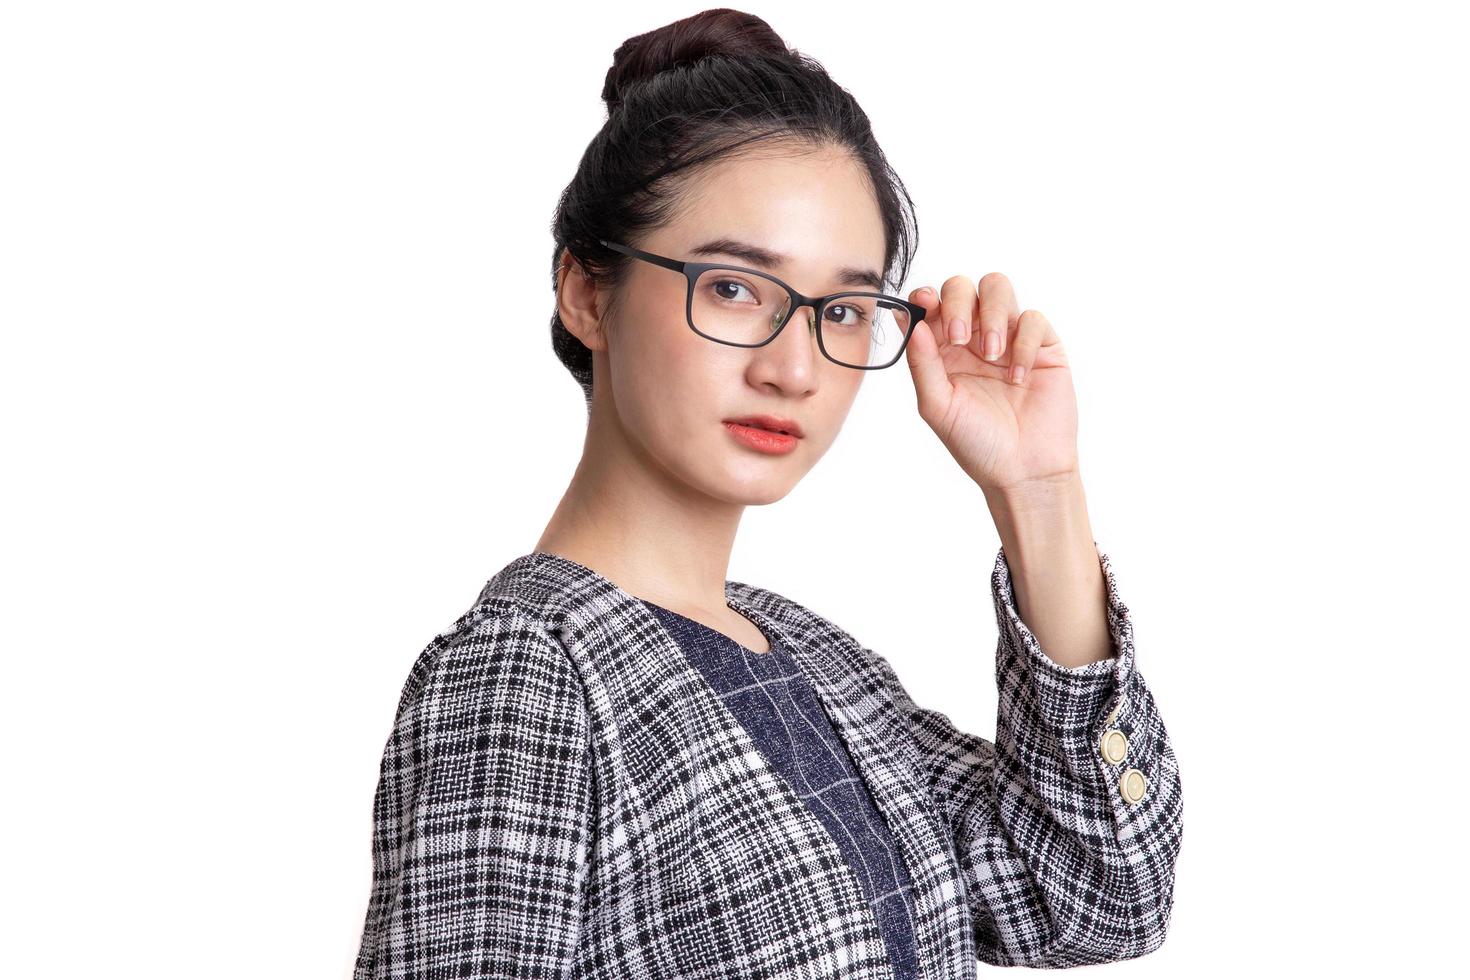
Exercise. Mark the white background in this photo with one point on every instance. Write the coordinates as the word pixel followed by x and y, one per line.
pixel 276 285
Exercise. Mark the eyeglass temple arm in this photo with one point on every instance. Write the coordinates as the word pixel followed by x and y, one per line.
pixel 674 264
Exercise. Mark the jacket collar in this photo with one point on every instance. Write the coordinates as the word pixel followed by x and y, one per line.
pixel 580 605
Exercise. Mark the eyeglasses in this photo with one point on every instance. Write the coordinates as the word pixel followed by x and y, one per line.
pixel 744 307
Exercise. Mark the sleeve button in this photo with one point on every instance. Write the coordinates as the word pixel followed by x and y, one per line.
pixel 1133 785
pixel 1114 746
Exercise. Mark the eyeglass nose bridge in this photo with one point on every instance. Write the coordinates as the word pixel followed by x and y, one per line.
pixel 812 303
pixel 791 313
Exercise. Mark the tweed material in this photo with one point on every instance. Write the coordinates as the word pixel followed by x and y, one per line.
pixel 564 795
pixel 768 695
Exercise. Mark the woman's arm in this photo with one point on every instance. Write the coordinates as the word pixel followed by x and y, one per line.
pixel 482 814
pixel 1061 867
pixel 1052 559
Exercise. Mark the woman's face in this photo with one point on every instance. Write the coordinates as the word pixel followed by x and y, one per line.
pixel 672 390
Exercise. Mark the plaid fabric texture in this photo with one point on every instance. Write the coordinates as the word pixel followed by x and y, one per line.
pixel 769 696
pixel 563 795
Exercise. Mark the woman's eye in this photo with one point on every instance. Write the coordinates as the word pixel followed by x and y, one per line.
pixel 729 289
pixel 852 315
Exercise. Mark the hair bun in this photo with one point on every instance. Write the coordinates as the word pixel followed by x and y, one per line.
pixel 720 31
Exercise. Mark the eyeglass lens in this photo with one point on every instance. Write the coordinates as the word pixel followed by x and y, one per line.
pixel 857 329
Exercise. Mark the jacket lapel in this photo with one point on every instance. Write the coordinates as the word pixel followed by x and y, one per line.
pixel 867 722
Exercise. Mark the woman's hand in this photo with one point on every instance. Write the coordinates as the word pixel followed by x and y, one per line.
pixel 1007 435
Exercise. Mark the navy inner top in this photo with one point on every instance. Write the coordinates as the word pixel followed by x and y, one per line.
pixel 774 701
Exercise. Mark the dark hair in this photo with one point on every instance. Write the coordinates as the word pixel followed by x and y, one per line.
pixel 681 97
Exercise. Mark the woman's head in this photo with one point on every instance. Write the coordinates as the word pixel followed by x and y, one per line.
pixel 717 131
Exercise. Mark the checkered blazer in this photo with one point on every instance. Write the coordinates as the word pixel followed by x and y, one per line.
pixel 563 795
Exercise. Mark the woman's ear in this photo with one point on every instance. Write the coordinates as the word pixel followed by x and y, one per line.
pixel 577 298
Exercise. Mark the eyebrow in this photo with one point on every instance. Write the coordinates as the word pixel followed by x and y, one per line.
pixel 757 255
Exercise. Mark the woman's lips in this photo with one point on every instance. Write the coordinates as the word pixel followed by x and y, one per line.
pixel 761 440
pixel 775 423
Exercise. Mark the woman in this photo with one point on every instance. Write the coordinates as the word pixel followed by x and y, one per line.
pixel 620 764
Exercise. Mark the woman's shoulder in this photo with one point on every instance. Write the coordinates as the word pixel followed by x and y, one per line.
pixel 802 623
pixel 787 610
pixel 501 639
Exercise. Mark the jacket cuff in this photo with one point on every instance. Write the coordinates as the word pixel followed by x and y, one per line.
pixel 1078 701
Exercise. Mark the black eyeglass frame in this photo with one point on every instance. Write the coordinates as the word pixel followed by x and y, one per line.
pixel 693 270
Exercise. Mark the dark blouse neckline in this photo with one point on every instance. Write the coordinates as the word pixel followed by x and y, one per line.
pixel 704 628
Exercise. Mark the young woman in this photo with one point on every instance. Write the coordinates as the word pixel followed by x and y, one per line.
pixel 619 763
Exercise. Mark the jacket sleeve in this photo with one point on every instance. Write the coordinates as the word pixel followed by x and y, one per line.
pixel 482 812
pixel 1062 869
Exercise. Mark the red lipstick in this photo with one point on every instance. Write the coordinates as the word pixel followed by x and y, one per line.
pixel 765 433
pixel 774 423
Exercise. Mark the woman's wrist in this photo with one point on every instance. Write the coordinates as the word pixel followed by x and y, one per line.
pixel 1056 574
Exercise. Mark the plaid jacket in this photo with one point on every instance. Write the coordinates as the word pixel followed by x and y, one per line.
pixel 563 795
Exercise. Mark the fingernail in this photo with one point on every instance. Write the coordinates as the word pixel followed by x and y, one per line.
pixel 957 331
pixel 992 345
pixel 1016 373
